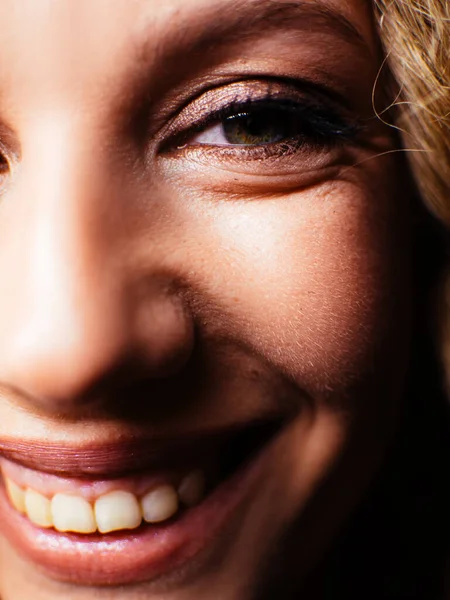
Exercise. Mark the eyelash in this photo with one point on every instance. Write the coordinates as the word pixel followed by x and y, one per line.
pixel 322 128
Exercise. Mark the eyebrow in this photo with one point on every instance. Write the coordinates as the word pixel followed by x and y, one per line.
pixel 241 20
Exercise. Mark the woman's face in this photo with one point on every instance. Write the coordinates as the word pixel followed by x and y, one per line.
pixel 204 283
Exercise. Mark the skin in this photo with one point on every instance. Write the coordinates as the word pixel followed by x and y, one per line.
pixel 225 286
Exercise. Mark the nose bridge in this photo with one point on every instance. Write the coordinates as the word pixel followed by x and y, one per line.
pixel 67 187
pixel 67 319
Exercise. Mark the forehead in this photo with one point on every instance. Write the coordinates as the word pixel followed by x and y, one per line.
pixel 105 16
pixel 56 51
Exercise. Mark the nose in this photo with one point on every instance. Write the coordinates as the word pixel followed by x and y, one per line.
pixel 77 310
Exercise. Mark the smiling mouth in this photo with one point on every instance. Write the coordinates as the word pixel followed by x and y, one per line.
pixel 164 517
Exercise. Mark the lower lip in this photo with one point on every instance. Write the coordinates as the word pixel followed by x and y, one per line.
pixel 134 556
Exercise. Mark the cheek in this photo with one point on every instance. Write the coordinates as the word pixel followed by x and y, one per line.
pixel 314 283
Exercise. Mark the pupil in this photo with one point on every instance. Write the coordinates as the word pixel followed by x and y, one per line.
pixel 259 127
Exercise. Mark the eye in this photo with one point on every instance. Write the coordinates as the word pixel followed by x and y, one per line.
pixel 4 168
pixel 255 120
pixel 253 127
pixel 272 122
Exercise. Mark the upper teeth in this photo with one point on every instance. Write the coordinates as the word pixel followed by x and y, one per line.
pixel 113 511
pixel 192 488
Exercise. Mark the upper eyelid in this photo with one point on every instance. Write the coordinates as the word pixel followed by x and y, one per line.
pixel 236 106
pixel 214 101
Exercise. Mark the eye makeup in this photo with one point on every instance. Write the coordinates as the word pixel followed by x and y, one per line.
pixel 260 118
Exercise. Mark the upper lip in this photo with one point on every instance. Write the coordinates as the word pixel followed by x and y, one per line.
pixel 122 457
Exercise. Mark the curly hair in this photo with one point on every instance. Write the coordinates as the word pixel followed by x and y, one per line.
pixel 416 38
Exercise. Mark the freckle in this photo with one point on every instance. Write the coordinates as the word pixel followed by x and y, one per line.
pixel 254 374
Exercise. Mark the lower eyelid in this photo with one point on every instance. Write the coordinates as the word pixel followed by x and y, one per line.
pixel 241 153
pixel 255 170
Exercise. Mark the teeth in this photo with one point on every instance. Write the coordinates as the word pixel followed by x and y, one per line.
pixel 111 512
pixel 16 495
pixel 159 504
pixel 192 488
pixel 117 510
pixel 72 513
pixel 38 509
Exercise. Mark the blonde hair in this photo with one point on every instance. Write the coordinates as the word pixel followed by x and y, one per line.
pixel 416 39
